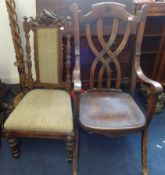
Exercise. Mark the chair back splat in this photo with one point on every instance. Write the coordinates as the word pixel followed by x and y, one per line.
pixel 102 26
pixel 104 108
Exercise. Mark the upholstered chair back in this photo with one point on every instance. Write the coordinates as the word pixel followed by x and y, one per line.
pixel 48 32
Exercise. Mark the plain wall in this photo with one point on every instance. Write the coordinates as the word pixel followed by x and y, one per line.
pixel 8 72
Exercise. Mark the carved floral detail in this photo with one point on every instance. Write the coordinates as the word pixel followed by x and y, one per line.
pixel 48 18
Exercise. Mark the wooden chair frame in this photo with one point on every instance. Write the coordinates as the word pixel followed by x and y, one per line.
pixel 109 9
pixel 46 19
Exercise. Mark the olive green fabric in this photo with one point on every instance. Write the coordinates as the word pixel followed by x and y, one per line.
pixel 42 110
pixel 48 54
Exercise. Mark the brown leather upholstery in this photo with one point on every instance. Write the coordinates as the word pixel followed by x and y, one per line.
pixel 111 110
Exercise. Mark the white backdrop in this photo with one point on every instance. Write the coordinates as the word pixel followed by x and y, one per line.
pixel 8 72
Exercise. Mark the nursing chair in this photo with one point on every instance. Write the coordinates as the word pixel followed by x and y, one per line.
pixel 43 108
pixel 104 108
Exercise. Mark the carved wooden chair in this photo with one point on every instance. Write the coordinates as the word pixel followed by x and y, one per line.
pixel 43 108
pixel 105 108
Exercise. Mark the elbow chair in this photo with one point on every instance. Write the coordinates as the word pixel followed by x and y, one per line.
pixel 104 108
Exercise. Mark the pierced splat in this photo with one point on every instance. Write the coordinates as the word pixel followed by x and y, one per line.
pixel 115 15
pixel 112 112
pixel 106 56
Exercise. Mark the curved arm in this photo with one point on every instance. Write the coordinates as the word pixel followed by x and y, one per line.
pixel 155 90
pixel 155 86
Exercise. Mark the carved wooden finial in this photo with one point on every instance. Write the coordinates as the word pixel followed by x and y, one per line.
pixel 48 18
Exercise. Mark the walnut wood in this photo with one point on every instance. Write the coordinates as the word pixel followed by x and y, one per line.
pixel 17 99
pixel 70 147
pixel 110 111
pixel 13 145
pixel 44 21
pixel 63 25
pixel 68 52
pixel 28 52
pixel 35 134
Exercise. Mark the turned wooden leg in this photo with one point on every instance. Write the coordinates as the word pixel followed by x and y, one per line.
pixel 144 152
pixel 70 147
pixel 76 131
pixel 75 155
pixel 13 145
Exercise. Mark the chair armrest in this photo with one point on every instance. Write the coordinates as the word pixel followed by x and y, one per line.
pixel 155 87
